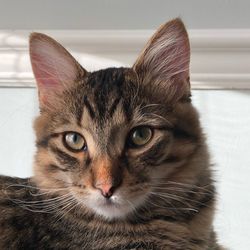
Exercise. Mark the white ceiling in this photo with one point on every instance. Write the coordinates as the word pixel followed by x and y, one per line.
pixel 123 14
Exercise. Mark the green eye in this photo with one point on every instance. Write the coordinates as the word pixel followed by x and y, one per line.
pixel 140 136
pixel 74 141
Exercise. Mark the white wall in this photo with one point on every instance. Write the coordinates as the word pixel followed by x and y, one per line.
pixel 120 14
pixel 225 116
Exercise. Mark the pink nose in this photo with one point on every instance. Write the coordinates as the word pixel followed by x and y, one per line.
pixel 107 190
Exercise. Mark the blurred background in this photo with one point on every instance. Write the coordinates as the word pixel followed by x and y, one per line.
pixel 111 33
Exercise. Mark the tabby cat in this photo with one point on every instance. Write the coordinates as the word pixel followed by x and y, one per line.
pixel 121 159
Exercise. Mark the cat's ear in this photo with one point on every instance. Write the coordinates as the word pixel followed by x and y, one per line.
pixel 164 62
pixel 54 68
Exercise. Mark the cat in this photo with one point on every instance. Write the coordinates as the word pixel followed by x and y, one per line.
pixel 121 159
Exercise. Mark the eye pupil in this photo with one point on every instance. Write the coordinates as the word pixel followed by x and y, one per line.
pixel 74 138
pixel 138 134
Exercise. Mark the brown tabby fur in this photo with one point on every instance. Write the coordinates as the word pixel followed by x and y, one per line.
pixel 177 214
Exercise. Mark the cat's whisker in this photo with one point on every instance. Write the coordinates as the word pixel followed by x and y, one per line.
pixel 160 205
pixel 48 205
pixel 35 210
pixel 165 196
pixel 32 187
pixel 39 193
pixel 42 208
pixel 69 199
pixel 58 198
pixel 190 185
pixel 46 193
pixel 59 206
pixel 172 206
pixel 180 184
pixel 181 199
pixel 71 204
pixel 180 190
pixel 169 201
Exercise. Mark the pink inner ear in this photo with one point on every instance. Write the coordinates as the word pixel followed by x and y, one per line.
pixel 54 68
pixel 45 74
pixel 52 65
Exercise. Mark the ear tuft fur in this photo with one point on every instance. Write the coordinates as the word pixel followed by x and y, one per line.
pixel 165 60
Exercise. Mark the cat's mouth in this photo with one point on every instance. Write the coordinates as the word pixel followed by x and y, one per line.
pixel 109 202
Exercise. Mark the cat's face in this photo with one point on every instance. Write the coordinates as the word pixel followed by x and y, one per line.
pixel 109 137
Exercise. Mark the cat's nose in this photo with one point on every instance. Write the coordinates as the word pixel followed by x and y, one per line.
pixel 107 190
pixel 106 176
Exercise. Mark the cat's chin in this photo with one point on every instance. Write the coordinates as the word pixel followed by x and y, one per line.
pixel 114 208
pixel 111 211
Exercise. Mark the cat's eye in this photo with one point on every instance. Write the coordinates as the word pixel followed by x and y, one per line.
pixel 74 141
pixel 140 136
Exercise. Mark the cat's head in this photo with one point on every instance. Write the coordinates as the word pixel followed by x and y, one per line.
pixel 109 137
